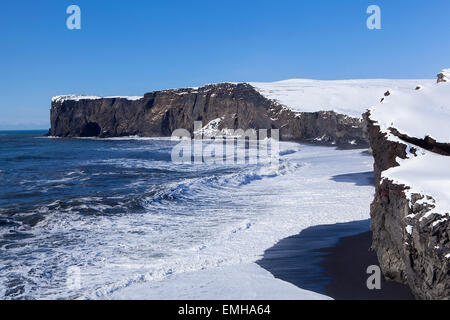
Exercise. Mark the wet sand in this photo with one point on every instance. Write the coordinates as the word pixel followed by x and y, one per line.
pixel 346 265
pixel 331 260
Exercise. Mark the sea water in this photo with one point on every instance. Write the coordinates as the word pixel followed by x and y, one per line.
pixel 114 213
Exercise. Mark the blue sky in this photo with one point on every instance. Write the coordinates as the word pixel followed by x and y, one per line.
pixel 132 47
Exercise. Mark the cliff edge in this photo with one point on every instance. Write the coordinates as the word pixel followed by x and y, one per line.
pixel 410 138
pixel 224 106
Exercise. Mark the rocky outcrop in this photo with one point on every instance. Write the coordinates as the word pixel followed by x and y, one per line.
pixel 159 113
pixel 411 242
pixel 443 76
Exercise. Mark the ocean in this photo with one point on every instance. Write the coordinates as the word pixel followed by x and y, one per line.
pixel 89 218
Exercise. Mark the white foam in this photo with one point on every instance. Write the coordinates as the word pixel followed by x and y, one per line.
pixel 239 282
pixel 281 206
pixel 209 223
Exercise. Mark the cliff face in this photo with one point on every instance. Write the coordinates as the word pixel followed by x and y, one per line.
pixel 410 217
pixel 159 113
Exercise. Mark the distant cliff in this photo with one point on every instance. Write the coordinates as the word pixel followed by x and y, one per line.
pixel 159 113
pixel 410 212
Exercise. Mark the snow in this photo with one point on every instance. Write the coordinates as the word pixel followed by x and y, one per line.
pixel 409 229
pixel 438 222
pixel 241 282
pixel 416 113
pixel 348 97
pixel 132 98
pixel 446 73
pixel 426 174
pixel 74 97
pixel 210 129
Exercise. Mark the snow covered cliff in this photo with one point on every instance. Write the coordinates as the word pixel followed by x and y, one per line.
pixel 226 105
pixel 349 97
pixel 326 112
pixel 410 137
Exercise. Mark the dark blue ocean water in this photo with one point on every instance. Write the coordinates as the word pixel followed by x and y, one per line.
pixel 38 170
pixel 86 218
pixel 119 209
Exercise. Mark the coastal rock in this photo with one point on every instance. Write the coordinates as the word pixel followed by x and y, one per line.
pixel 231 106
pixel 443 76
pixel 411 229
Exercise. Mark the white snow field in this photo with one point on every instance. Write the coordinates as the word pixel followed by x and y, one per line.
pixel 417 113
pixel 427 174
pixel 298 194
pixel 420 113
pixel 348 97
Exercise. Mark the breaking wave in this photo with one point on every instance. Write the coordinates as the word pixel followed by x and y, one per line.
pixel 122 212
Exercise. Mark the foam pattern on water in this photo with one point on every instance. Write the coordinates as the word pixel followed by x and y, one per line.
pixel 123 213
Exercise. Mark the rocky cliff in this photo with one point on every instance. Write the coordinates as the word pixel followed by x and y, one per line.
pixel 410 212
pixel 159 113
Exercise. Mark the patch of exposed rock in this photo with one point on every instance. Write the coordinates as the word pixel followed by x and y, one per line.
pixel 443 76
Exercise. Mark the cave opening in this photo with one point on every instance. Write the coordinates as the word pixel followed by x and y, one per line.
pixel 91 129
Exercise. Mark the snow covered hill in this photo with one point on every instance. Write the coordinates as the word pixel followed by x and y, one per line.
pixel 348 97
pixel 410 137
pixel 421 114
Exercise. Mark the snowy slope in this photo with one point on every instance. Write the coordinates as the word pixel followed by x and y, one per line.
pixel 418 114
pixel 426 174
pixel 349 97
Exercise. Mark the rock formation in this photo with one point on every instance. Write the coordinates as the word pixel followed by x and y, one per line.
pixel 411 229
pixel 444 75
pixel 159 113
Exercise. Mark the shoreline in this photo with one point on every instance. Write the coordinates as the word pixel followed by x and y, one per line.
pixel 331 260
pixel 325 187
pixel 346 264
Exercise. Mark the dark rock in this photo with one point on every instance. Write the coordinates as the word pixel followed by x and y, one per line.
pixel 159 113
pixel 90 129
pixel 417 259
pixel 427 143
pixel 441 77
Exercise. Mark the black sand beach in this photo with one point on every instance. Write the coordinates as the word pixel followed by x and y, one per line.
pixel 331 260
pixel 346 265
